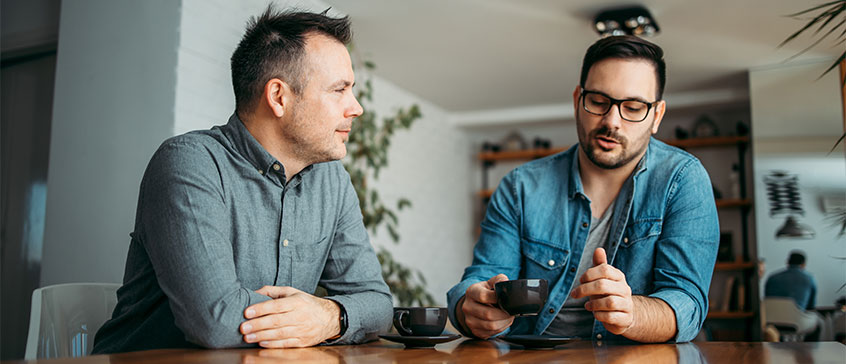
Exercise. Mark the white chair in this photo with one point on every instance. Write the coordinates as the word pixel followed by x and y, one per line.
pixel 65 317
pixel 792 322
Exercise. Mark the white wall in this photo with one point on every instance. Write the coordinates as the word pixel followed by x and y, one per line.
pixel 797 119
pixel 113 105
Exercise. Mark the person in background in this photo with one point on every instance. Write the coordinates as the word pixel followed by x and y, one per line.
pixel 236 226
pixel 793 282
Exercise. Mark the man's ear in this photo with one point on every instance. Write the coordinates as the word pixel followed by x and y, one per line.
pixel 276 96
pixel 577 94
pixel 660 108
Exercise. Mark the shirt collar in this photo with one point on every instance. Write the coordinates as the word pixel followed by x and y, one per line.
pixel 247 145
pixel 576 179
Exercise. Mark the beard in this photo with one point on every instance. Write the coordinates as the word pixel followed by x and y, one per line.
pixel 312 145
pixel 608 159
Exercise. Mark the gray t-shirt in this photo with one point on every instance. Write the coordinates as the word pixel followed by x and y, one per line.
pixel 573 320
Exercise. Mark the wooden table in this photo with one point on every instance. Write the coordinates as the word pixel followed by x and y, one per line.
pixel 495 351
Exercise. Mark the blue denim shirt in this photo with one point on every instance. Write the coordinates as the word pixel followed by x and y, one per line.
pixel 664 235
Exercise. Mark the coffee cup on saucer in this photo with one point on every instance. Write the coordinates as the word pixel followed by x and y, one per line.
pixel 420 321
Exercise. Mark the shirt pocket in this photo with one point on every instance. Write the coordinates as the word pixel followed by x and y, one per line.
pixel 307 264
pixel 642 230
pixel 542 259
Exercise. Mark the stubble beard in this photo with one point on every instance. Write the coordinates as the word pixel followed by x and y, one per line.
pixel 310 145
pixel 604 159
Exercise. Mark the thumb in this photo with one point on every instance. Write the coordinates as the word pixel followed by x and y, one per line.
pixel 497 278
pixel 276 292
pixel 599 257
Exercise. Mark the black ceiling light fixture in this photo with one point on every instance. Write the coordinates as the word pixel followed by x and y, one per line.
pixel 632 20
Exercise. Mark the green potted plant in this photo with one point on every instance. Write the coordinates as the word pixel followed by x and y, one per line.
pixel 367 154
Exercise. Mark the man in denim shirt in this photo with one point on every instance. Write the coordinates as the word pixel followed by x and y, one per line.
pixel 237 225
pixel 622 226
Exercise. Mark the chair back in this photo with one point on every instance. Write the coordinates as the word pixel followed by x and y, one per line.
pixel 65 317
pixel 784 313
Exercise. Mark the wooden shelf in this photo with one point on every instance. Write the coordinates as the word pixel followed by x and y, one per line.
pixel 731 202
pixel 734 265
pixel 708 142
pixel 731 315
pixel 518 154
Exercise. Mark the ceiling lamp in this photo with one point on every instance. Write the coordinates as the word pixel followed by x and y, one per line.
pixel 632 20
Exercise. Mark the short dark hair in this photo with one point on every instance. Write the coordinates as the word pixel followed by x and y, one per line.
pixel 626 47
pixel 273 47
pixel 797 257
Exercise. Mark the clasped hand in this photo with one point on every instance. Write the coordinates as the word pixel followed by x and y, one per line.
pixel 292 318
pixel 610 296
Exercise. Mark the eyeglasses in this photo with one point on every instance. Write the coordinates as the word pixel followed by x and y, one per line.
pixel 598 103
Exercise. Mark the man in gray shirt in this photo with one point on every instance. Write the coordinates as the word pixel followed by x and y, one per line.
pixel 236 226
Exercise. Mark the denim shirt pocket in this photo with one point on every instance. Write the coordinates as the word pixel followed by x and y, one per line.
pixel 308 263
pixel 637 253
pixel 542 259
pixel 641 230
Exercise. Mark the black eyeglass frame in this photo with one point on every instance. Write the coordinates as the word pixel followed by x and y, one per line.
pixel 617 102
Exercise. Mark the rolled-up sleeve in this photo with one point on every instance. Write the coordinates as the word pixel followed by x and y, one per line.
pixel 185 232
pixel 353 276
pixel 498 248
pixel 687 249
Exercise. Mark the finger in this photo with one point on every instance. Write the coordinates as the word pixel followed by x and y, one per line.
pixel 277 292
pixel 601 287
pixel 497 278
pixel 599 257
pixel 284 343
pixel 485 328
pixel 609 303
pixel 602 271
pixel 277 305
pixel 272 321
pixel 614 321
pixel 484 312
pixel 481 294
pixel 272 334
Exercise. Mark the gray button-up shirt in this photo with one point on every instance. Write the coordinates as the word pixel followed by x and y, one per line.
pixel 217 220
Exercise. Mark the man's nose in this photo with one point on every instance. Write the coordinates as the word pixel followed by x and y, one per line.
pixel 355 110
pixel 613 117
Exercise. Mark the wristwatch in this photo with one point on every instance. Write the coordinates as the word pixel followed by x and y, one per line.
pixel 343 322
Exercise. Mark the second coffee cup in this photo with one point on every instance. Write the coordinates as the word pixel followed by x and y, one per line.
pixel 522 297
pixel 420 321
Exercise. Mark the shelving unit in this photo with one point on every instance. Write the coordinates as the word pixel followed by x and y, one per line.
pixel 738 323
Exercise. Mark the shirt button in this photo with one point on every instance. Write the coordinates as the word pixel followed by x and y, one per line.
pixel 260 171
pixel 276 167
pixel 625 240
pixel 551 311
pixel 573 270
pixel 584 224
pixel 551 263
pixel 599 336
pixel 285 242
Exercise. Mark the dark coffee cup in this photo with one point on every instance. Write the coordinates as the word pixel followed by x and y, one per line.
pixel 420 321
pixel 522 297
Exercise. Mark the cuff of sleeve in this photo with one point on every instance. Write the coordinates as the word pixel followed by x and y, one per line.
pixel 453 296
pixel 688 316
pixel 357 315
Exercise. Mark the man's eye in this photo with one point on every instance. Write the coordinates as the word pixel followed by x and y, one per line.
pixel 634 108
pixel 599 102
